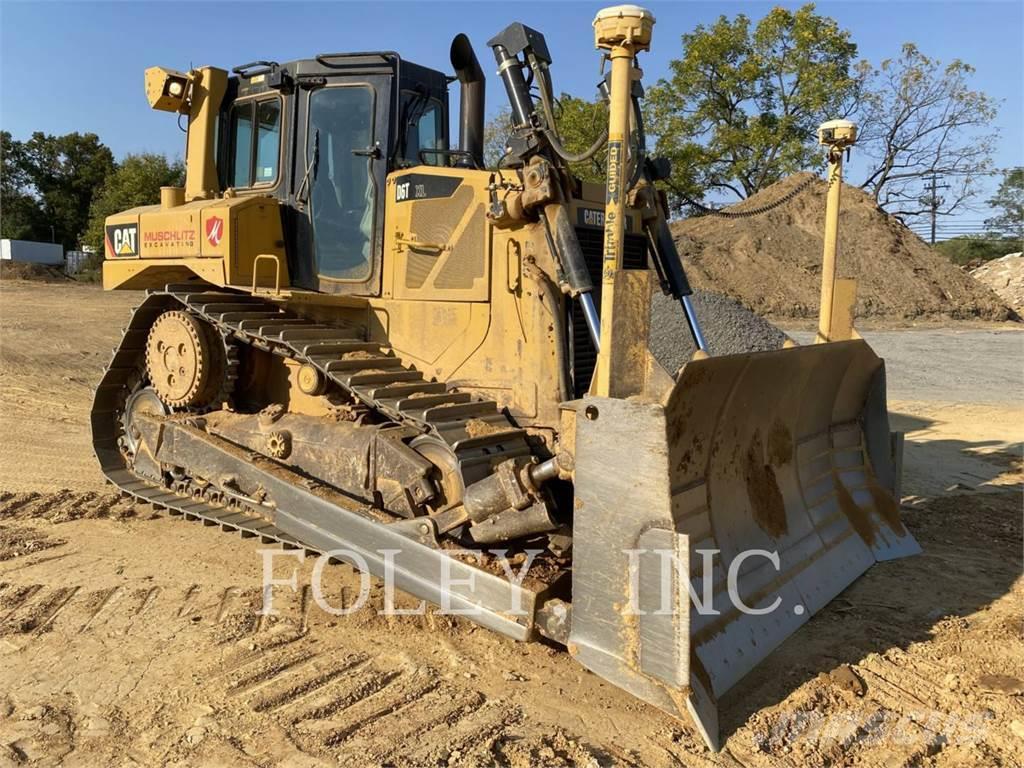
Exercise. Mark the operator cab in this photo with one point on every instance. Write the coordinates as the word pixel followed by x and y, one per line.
pixel 321 135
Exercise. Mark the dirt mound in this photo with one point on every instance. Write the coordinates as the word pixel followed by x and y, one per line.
pixel 1005 276
pixel 772 262
pixel 729 328
pixel 39 273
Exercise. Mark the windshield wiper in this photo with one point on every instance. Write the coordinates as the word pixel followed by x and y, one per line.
pixel 311 167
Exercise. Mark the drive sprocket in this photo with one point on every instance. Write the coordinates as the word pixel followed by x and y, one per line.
pixel 185 360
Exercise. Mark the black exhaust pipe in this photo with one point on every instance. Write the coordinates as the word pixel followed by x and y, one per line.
pixel 471 98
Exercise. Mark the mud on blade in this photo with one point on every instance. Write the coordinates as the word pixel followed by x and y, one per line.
pixel 771 472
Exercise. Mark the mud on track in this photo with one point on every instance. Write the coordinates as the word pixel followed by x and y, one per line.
pixel 130 637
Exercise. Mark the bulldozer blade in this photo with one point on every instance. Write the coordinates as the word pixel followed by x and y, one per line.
pixel 711 525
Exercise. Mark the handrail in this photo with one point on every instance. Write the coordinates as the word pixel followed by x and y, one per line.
pixel 277 275
pixel 386 56
pixel 246 70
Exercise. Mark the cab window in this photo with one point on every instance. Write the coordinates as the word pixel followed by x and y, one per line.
pixel 342 188
pixel 424 130
pixel 241 140
pixel 255 137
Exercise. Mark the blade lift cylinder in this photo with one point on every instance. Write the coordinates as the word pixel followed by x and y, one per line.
pixel 507 46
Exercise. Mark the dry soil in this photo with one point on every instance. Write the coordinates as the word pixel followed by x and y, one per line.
pixel 128 637
pixel 771 263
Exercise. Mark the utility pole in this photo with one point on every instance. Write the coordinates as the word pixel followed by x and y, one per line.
pixel 934 202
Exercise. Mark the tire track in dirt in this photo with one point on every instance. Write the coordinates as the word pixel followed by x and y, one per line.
pixel 345 706
pixel 104 601
pixel 289 692
pixel 64 505
pixel 389 690
pixel 36 614
pixel 361 708
pixel 13 596
pixel 338 697
pixel 20 541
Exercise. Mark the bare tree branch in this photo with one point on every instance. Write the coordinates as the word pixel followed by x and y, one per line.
pixel 920 119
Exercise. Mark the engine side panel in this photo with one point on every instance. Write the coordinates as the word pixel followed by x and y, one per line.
pixel 216 240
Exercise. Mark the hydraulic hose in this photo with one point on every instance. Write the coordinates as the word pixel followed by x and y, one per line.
pixel 563 153
pixel 550 132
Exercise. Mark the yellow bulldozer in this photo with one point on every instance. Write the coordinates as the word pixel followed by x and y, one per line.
pixel 358 340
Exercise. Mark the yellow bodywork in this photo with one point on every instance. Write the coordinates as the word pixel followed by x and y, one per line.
pixel 217 240
pixel 457 296
pixel 457 312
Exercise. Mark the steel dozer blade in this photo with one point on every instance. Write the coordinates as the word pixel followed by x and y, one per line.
pixel 710 526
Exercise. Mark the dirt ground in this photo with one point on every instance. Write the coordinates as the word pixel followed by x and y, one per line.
pixel 129 637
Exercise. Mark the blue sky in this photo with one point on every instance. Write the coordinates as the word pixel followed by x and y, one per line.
pixel 79 66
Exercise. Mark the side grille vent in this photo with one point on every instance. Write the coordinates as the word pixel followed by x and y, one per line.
pixel 440 222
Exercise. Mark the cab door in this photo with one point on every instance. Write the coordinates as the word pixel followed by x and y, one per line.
pixel 339 173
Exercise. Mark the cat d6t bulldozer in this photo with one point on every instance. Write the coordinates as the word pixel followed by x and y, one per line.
pixel 357 339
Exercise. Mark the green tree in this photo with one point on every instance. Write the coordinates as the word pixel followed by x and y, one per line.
pixel 52 183
pixel 741 107
pixel 580 123
pixel 496 132
pixel 20 214
pixel 136 181
pixel 919 118
pixel 973 249
pixel 1009 202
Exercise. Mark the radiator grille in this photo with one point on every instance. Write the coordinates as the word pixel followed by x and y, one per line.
pixel 584 356
pixel 418 266
pixel 466 262
pixel 435 221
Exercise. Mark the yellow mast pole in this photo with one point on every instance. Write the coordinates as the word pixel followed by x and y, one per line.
pixel 622 31
pixel 838 136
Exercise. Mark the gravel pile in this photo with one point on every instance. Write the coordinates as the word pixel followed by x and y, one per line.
pixel 1005 276
pixel 729 327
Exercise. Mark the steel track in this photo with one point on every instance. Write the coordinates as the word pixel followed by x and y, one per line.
pixel 373 377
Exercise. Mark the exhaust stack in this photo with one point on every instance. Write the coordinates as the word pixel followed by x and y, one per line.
pixel 471 98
